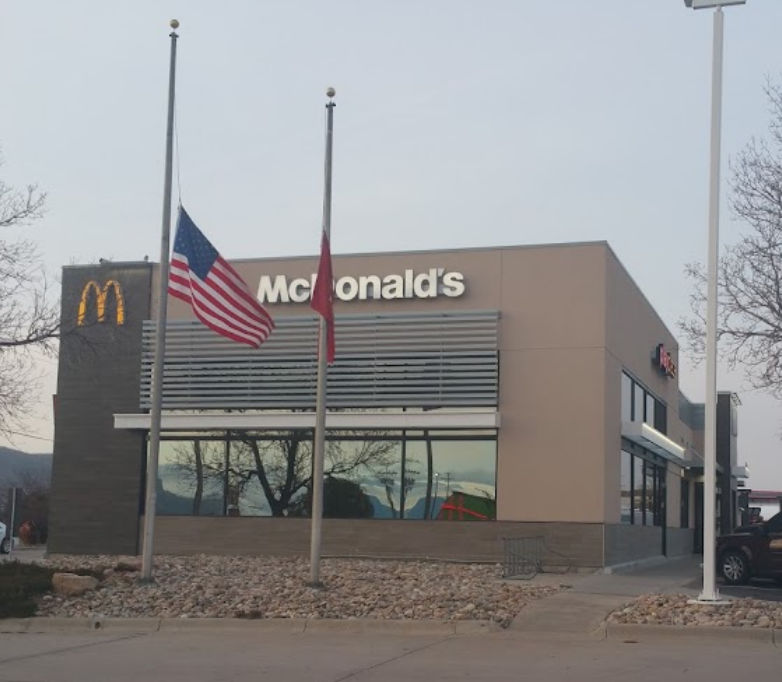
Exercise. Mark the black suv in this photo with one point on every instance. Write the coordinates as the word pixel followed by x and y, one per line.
pixel 752 551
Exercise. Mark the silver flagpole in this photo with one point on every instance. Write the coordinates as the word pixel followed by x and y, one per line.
pixel 160 337
pixel 320 410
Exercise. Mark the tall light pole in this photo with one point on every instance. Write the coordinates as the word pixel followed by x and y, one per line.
pixel 710 593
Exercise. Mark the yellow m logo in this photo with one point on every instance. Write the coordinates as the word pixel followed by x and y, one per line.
pixel 100 300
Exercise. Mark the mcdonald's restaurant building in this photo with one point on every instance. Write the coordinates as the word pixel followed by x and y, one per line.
pixel 477 395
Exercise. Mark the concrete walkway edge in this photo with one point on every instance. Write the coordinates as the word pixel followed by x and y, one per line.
pixel 289 625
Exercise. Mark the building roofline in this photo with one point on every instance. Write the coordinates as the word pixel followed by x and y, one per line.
pixel 643 295
pixel 376 254
pixel 372 254
pixel 110 263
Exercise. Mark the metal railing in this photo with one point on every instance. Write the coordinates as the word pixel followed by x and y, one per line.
pixel 525 557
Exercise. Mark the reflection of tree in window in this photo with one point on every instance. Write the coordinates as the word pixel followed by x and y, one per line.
pixel 388 479
pixel 342 499
pixel 283 464
pixel 198 468
pixel 269 473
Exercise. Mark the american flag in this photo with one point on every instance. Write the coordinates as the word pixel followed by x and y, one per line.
pixel 220 298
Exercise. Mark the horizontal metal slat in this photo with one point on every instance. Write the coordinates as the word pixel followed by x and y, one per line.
pixel 412 359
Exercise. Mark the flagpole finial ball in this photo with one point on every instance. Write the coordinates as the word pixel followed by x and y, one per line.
pixel 174 24
pixel 331 92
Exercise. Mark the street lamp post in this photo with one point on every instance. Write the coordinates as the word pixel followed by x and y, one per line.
pixel 710 593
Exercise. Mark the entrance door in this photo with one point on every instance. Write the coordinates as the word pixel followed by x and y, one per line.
pixel 662 507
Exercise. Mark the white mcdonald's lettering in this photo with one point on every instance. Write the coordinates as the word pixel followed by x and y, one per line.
pixel 431 283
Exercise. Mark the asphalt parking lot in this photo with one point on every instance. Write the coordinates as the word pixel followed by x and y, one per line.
pixel 222 654
pixel 767 590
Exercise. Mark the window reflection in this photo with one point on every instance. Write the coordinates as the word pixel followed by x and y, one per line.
pixel 626 487
pixel 639 405
pixel 384 475
pixel 638 491
pixel 627 398
pixel 650 497
pixel 191 478
pixel 642 486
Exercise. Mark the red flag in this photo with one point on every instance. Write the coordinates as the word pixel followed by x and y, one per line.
pixel 323 294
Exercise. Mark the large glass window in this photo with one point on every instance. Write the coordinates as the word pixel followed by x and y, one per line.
pixel 627 398
pixel 650 497
pixel 639 402
pixel 650 409
pixel 639 507
pixel 642 491
pixel 450 480
pixel 626 486
pixel 191 477
pixel 438 475
pixel 639 405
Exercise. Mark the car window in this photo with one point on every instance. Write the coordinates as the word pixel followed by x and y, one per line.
pixel 774 524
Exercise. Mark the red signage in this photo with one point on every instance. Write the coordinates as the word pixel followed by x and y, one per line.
pixel 663 360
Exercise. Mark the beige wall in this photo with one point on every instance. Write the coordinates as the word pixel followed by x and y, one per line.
pixel 482 270
pixel 633 330
pixel 571 318
pixel 551 392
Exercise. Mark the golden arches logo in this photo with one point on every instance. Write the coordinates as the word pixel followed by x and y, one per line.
pixel 100 300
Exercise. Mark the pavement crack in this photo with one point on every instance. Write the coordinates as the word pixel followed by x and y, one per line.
pixel 14 659
pixel 398 657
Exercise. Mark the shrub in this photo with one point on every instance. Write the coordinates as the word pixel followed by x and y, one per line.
pixel 21 583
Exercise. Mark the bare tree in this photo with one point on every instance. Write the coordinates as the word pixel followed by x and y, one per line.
pixel 283 465
pixel 29 319
pixel 390 479
pixel 200 467
pixel 750 270
pixel 280 463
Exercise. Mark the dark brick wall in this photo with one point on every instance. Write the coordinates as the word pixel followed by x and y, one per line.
pixel 97 471
pixel 582 543
pixel 680 541
pixel 625 543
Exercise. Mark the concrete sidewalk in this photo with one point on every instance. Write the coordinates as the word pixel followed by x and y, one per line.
pixel 584 607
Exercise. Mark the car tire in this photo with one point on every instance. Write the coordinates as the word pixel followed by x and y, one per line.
pixel 734 568
pixel 5 546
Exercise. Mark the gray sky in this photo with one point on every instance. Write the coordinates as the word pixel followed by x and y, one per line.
pixel 459 123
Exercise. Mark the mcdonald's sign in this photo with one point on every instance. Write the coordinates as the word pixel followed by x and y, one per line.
pixel 100 300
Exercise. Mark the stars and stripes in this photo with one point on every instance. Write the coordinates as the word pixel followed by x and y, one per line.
pixel 219 297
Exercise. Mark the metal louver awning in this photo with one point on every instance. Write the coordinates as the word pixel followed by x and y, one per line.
pixel 426 360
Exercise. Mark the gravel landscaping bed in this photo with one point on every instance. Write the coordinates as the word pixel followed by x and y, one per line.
pixel 275 587
pixel 673 609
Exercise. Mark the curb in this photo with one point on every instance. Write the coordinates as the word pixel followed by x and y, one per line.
pixel 649 633
pixel 286 625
